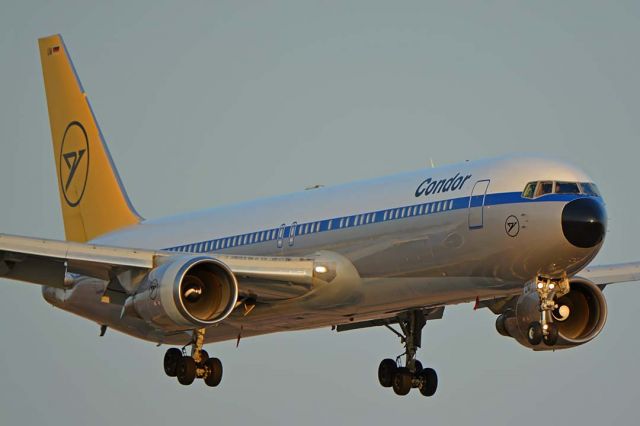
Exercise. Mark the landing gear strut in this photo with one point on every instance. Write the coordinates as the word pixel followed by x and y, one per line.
pixel 196 366
pixel 411 375
pixel 546 330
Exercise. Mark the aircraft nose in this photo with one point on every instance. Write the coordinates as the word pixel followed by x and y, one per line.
pixel 584 222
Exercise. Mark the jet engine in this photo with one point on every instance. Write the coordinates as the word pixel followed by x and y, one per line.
pixel 580 316
pixel 185 293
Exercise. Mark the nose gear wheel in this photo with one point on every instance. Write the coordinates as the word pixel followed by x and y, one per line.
pixel 545 330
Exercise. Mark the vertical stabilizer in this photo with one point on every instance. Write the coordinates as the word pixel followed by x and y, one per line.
pixel 92 197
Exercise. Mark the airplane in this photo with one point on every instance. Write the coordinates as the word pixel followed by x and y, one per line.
pixel 513 234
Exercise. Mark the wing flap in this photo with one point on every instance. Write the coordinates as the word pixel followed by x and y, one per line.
pixel 33 269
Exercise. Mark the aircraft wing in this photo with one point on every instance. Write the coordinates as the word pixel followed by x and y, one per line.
pixel 612 274
pixel 47 262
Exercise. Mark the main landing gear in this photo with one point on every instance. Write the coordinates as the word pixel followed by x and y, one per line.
pixel 411 375
pixel 197 366
pixel 546 330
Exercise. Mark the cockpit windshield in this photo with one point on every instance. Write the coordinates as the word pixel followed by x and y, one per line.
pixel 544 188
pixel 538 189
pixel 590 189
pixel 567 188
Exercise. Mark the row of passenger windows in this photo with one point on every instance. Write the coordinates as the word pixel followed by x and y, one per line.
pixel 295 229
pixel 538 189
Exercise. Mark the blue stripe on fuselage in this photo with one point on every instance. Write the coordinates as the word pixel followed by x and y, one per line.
pixel 368 218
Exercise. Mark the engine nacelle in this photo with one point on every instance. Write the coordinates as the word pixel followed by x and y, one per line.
pixel 580 316
pixel 184 293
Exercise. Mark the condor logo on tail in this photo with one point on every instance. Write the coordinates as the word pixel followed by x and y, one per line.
pixel 74 163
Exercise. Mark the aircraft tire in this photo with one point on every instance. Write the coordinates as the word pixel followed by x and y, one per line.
pixel 428 382
pixel 186 371
pixel 214 372
pixel 534 333
pixel 402 381
pixel 551 338
pixel 171 358
pixel 386 372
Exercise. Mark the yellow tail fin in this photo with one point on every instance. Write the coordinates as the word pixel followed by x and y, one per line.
pixel 93 199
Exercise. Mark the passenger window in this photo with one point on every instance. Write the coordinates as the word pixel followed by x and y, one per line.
pixel 544 188
pixel 529 190
pixel 567 188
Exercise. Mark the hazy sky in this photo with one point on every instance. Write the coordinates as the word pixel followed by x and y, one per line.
pixel 208 103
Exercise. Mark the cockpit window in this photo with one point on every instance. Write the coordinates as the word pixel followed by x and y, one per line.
pixel 590 189
pixel 529 190
pixel 567 188
pixel 538 189
pixel 544 188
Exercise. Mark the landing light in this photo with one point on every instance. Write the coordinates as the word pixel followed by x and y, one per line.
pixel 552 286
pixel 321 269
pixel 540 285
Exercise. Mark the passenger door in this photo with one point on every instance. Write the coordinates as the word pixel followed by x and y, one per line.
pixel 476 204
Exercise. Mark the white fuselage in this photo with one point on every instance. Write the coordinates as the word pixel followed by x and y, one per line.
pixel 425 238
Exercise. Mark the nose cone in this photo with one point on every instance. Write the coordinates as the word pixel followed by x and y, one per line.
pixel 584 222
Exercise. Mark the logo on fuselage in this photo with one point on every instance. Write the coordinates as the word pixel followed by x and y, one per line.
pixel 429 186
pixel 74 163
pixel 512 226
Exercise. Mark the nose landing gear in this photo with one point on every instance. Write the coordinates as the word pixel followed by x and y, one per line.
pixel 412 375
pixel 546 330
pixel 197 366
